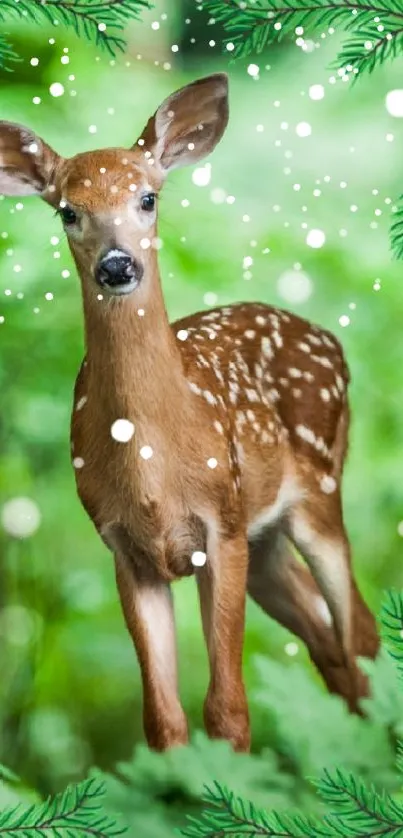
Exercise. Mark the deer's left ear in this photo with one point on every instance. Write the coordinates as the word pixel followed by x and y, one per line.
pixel 188 125
pixel 27 163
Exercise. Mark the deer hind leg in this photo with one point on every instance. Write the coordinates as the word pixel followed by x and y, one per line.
pixel 316 529
pixel 286 590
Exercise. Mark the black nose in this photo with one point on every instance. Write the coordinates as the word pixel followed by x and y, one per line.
pixel 118 270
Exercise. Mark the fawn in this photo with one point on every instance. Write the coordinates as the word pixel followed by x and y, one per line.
pixel 234 427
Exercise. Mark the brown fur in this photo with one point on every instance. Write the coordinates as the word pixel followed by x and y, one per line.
pixel 261 391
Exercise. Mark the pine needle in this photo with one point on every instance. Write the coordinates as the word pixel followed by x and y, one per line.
pixel 396 230
pixel 7 55
pixel 83 16
pixel 252 25
pixel 77 811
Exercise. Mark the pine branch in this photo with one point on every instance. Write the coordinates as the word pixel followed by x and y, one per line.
pixel 396 231
pixel 83 16
pixel 392 607
pixel 228 815
pixel 361 812
pixel 377 26
pixel 7 54
pixel 355 812
pixel 77 811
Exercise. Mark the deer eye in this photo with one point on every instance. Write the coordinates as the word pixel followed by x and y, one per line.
pixel 148 201
pixel 68 215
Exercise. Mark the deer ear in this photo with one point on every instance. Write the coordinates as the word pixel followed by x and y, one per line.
pixel 27 164
pixel 189 124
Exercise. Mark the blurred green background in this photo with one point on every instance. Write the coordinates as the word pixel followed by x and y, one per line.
pixel 70 694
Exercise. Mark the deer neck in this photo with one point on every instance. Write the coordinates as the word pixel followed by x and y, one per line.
pixel 134 366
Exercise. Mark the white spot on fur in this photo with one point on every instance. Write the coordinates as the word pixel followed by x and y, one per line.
pixel 194 388
pixel 212 462
pixel 313 339
pixel 78 462
pixel 267 348
pixel 81 402
pixel 309 436
pixel 323 361
pixel 328 484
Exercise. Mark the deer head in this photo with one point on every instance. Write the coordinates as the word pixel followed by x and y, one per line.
pixel 107 199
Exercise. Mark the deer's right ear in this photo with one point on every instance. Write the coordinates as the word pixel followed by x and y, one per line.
pixel 188 125
pixel 27 164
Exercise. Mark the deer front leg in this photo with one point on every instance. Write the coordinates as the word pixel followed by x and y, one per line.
pixel 148 611
pixel 222 592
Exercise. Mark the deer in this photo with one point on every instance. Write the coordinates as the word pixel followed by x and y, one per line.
pixel 213 446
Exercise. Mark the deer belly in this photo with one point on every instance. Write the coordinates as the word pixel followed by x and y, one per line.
pixel 272 513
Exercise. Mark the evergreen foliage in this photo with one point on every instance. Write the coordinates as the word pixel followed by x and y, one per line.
pixel 85 17
pixel 75 812
pixel 376 26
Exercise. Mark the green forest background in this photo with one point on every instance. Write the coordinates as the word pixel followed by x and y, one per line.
pixel 70 693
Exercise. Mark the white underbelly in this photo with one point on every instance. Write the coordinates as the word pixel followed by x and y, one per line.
pixel 269 516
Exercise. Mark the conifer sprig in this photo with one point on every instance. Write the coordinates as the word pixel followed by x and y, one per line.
pixel 7 54
pixel 396 230
pixel 376 26
pixel 228 815
pixel 101 21
pixel 75 812
pixel 392 607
